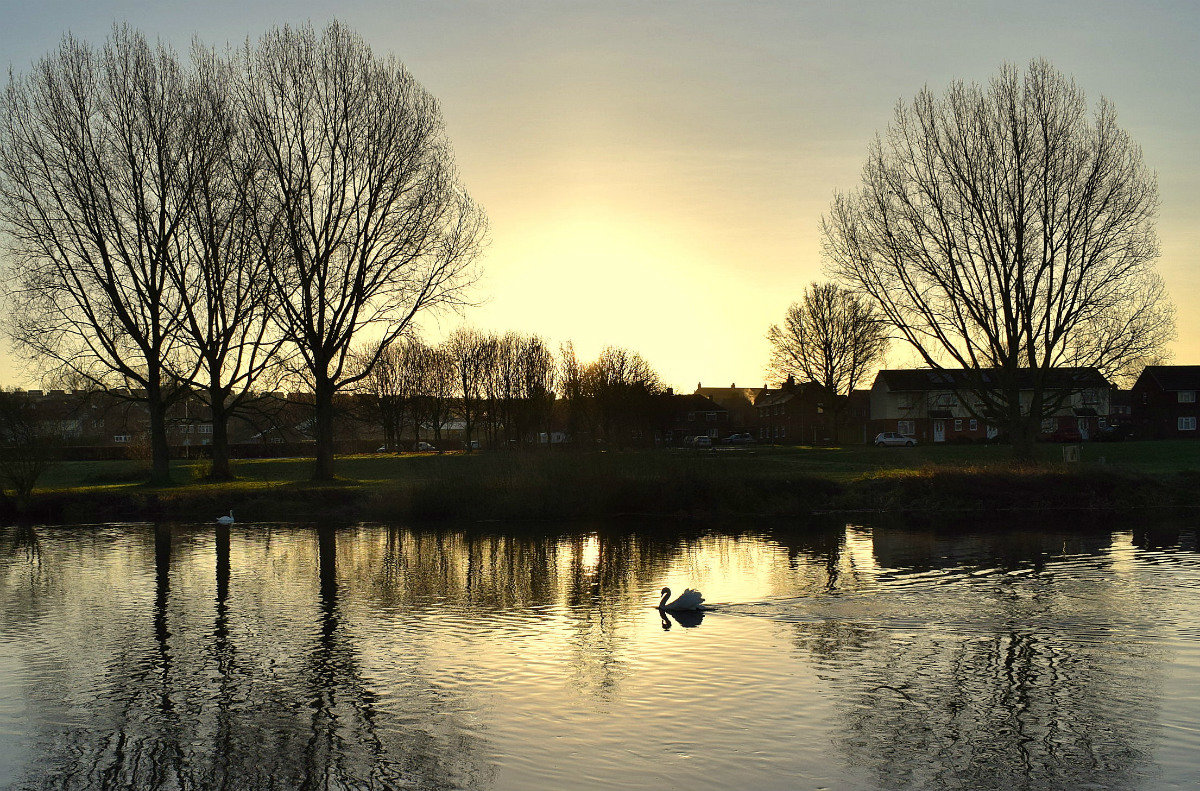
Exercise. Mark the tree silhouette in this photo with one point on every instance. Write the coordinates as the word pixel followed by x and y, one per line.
pixel 375 226
pixel 1002 230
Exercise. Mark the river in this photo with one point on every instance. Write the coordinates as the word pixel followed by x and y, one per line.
pixel 361 657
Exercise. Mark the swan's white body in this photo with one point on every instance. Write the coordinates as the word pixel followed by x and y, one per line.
pixel 688 600
pixel 226 520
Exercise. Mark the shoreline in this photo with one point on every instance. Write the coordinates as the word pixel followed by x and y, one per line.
pixel 565 492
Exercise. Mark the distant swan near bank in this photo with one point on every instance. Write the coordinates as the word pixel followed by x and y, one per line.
pixel 688 600
pixel 226 520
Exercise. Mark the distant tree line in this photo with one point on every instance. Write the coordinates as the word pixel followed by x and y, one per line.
pixel 510 390
pixel 219 225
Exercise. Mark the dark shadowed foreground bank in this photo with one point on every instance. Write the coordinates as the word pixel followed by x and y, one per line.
pixel 615 485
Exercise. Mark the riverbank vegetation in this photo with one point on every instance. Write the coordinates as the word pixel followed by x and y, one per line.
pixel 749 483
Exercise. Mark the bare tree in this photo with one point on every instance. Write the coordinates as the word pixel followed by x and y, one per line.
pixel 376 227
pixel 1006 231
pixel 437 388
pixel 100 152
pixel 537 377
pixel 625 389
pixel 832 337
pixel 221 268
pixel 27 450
pixel 398 385
pixel 470 353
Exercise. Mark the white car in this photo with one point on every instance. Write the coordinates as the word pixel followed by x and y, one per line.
pixel 702 442
pixel 885 438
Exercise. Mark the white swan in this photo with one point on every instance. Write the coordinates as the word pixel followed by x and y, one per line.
pixel 688 600
pixel 226 520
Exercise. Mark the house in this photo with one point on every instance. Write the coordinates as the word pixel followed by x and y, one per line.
pixel 738 402
pixel 1164 401
pixel 691 416
pixel 795 413
pixel 937 405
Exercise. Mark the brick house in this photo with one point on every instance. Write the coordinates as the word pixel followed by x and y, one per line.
pixel 1164 401
pixel 691 416
pixel 929 405
pixel 794 413
pixel 739 402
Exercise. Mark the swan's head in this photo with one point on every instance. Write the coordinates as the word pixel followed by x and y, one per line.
pixel 665 591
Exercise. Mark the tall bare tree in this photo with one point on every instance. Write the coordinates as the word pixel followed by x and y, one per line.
pixel 1008 231
pixel 833 337
pixel 222 268
pixel 470 353
pixel 100 153
pixel 625 389
pixel 376 227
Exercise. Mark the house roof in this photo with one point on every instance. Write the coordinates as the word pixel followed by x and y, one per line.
pixel 730 396
pixel 696 403
pixel 1172 377
pixel 922 379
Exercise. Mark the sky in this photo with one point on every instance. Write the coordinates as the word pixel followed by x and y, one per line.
pixel 655 173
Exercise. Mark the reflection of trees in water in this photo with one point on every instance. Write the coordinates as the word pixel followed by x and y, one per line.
pixel 582 582
pixel 199 701
pixel 1031 694
pixel 1015 710
pixel 1166 534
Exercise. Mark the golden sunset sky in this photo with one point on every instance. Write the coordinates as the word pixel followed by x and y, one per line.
pixel 655 173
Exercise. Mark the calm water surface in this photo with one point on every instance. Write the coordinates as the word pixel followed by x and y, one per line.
pixel 274 656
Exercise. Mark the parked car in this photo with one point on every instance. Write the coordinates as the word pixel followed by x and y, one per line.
pixel 739 439
pixel 888 438
pixel 1118 433
pixel 424 447
pixel 702 442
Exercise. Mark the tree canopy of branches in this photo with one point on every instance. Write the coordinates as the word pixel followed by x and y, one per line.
pixel 1003 228
pixel 833 337
pixel 100 153
pixel 374 223
pixel 614 399
pixel 222 269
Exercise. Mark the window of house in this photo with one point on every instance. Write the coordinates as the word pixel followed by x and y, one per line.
pixel 906 427
pixel 1101 422
pixel 1187 396
pixel 1187 424
pixel 691 415
pixel 120 437
pixel 1091 396
pixel 958 424
pixel 946 399
pixel 974 424
pixel 710 416
pixel 206 429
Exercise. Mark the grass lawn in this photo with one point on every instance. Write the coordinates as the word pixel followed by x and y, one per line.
pixel 834 463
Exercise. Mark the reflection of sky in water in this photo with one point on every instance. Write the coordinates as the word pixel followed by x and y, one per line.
pixel 851 658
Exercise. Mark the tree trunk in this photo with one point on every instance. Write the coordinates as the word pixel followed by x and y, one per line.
pixel 1021 431
pixel 221 470
pixel 160 452
pixel 323 416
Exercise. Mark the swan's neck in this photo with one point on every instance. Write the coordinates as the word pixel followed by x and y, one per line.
pixel 666 595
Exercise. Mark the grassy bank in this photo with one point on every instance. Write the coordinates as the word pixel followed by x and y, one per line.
pixel 677 485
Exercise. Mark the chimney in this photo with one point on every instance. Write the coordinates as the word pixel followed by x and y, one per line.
pixel 791 382
pixel 733 385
